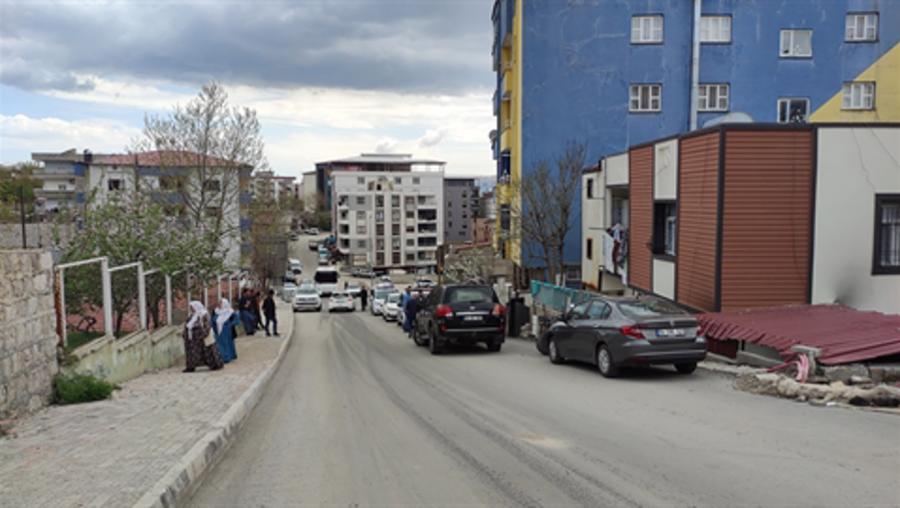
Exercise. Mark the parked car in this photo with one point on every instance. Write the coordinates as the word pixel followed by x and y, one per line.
pixel 341 300
pixel 312 231
pixel 294 237
pixel 353 289
pixel 615 332
pixel 313 245
pixel 379 296
pixel 391 310
pixel 460 314
pixel 385 278
pixel 365 274
pixel 287 291
pixel 425 282
pixel 295 266
pixel 307 298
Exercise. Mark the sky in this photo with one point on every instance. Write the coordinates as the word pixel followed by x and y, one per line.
pixel 328 79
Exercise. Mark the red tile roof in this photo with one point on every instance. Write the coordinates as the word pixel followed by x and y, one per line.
pixel 162 158
pixel 844 335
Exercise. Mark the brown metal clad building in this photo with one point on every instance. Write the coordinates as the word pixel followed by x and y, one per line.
pixel 640 213
pixel 698 182
pixel 766 217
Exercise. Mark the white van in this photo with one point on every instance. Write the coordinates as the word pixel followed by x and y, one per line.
pixel 326 280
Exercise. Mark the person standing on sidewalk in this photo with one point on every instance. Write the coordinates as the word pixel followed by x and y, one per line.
pixel 246 315
pixel 223 322
pixel 255 310
pixel 364 296
pixel 199 344
pixel 268 308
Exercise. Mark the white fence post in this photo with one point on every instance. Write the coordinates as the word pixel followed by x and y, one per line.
pixel 219 283
pixel 107 296
pixel 187 292
pixel 205 296
pixel 142 296
pixel 168 300
pixel 62 306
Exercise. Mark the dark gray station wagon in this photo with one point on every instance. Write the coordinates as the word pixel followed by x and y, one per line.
pixel 615 332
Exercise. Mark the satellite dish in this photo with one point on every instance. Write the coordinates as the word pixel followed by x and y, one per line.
pixel 736 117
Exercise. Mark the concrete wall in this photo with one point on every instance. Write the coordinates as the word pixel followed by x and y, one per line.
pixel 854 164
pixel 119 360
pixel 616 169
pixel 28 338
pixel 664 278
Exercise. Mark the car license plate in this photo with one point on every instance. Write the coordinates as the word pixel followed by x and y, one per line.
pixel 472 318
pixel 670 333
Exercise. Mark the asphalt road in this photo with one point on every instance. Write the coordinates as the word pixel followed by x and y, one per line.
pixel 357 415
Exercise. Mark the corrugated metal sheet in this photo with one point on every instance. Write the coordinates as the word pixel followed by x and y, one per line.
pixel 844 335
pixel 640 216
pixel 698 175
pixel 766 218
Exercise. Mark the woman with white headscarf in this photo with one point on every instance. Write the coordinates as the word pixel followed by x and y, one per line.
pixel 224 321
pixel 199 344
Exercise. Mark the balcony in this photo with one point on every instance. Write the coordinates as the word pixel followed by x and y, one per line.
pixel 427 216
pixel 506 86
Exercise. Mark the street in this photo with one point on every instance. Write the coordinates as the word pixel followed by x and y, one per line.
pixel 358 415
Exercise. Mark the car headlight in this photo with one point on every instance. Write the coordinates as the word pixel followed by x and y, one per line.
pixel 700 339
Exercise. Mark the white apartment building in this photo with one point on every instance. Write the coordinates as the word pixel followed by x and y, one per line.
pixel 389 220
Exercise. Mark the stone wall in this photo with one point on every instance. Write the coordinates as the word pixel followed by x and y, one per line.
pixel 119 360
pixel 41 235
pixel 28 339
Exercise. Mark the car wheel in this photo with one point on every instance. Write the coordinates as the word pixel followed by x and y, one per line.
pixel 417 338
pixel 553 352
pixel 605 362
pixel 434 347
pixel 686 368
pixel 495 346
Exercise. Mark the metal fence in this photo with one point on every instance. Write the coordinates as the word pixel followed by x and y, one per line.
pixel 105 300
pixel 556 298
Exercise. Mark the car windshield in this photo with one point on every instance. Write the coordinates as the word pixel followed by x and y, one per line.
pixel 649 308
pixel 470 294
pixel 382 293
pixel 393 298
pixel 306 291
pixel 326 276
pixel 340 295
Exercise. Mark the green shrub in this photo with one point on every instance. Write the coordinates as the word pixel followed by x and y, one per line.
pixel 80 388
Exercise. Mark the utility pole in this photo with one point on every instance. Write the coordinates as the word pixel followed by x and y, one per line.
pixel 22 210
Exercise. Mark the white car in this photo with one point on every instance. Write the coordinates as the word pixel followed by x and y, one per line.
pixel 341 300
pixel 391 309
pixel 288 291
pixel 379 296
pixel 353 289
pixel 307 298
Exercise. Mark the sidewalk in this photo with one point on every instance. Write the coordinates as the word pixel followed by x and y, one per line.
pixel 158 434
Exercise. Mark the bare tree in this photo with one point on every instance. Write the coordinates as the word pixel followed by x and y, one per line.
pixel 545 213
pixel 474 265
pixel 219 145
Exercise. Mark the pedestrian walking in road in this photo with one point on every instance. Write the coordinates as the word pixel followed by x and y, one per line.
pixel 364 296
pixel 224 322
pixel 199 343
pixel 268 308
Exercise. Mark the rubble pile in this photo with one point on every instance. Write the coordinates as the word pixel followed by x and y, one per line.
pixel 857 391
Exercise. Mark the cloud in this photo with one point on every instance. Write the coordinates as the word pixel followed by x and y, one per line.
pixel 386 145
pixel 21 135
pixel 431 138
pixel 421 46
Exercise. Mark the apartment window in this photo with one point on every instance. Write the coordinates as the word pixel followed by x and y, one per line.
pixel 712 97
pixel 410 242
pixel 646 29
pixel 360 215
pixel 410 214
pixel 395 215
pixel 395 243
pixel 645 98
pixel 590 188
pixel 395 201
pixel 793 110
pixel 796 44
pixel 360 180
pixel 861 27
pixel 61 186
pixel 410 257
pixel 360 200
pixel 886 258
pixel 379 216
pixel 664 228
pixel 114 184
pixel 715 29
pixel 416 180
pixel 409 201
pixel 167 182
pixel 212 185
pixel 379 201
pixel 395 258
pixel 589 248
pixel 858 95
pixel 410 229
pixel 398 180
pixel 449 203
pixel 395 230
pixel 379 258
pixel 361 244
pixel 360 228
pixel 449 224
pixel 379 244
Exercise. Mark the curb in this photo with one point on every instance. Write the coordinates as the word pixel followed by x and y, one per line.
pixel 182 479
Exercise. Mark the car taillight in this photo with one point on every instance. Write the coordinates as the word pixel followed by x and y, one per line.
pixel 499 310
pixel 443 311
pixel 632 332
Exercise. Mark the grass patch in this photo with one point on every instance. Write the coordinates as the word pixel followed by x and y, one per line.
pixel 77 338
pixel 80 388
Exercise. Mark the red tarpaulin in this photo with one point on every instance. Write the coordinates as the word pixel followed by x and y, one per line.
pixel 844 335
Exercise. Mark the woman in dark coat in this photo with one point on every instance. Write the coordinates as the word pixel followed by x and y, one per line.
pixel 199 345
pixel 224 322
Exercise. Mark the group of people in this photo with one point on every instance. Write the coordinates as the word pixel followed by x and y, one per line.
pixel 209 336
pixel 409 302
